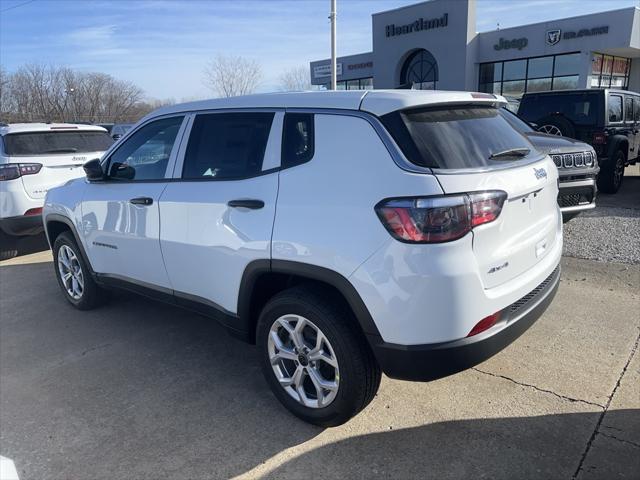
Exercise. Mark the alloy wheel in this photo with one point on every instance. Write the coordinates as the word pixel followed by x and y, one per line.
pixel 303 361
pixel 550 129
pixel 70 272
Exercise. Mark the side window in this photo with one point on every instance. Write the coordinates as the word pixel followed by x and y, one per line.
pixel 227 145
pixel 145 155
pixel 636 109
pixel 628 109
pixel 615 108
pixel 297 139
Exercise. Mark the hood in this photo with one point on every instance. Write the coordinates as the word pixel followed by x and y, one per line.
pixel 550 144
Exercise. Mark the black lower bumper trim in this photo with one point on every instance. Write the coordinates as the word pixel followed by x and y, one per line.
pixel 433 361
pixel 23 225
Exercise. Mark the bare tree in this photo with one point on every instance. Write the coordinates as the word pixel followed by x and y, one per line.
pixel 296 79
pixel 230 76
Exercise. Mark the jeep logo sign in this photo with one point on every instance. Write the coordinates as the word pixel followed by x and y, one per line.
pixel 504 44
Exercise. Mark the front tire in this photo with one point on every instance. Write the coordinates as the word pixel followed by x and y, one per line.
pixel 315 358
pixel 73 274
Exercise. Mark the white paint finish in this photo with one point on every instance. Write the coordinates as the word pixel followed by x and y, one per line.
pixel 420 294
pixel 206 245
pixel 8 469
pixel 66 201
pixel 108 218
pixel 325 212
pixel 529 217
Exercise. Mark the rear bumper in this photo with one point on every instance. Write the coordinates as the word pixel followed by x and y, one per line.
pixel 433 361
pixel 22 225
pixel 577 195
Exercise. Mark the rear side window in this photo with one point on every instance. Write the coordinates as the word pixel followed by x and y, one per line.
pixel 297 139
pixel 628 109
pixel 581 108
pixel 636 109
pixel 456 137
pixel 227 145
pixel 614 113
pixel 56 142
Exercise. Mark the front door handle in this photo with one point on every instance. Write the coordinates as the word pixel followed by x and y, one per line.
pixel 246 203
pixel 141 201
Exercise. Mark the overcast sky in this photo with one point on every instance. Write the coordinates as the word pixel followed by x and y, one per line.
pixel 163 45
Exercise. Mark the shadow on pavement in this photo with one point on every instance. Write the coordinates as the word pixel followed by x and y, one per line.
pixel 24 245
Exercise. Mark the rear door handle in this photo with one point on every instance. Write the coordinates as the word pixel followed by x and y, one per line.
pixel 246 203
pixel 141 201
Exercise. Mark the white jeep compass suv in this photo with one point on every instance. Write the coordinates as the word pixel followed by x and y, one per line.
pixel 35 157
pixel 346 233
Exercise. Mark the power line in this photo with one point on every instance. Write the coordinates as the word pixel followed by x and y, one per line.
pixel 16 6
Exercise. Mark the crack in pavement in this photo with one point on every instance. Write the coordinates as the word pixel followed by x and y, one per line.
pixel 563 397
pixel 606 408
pixel 619 439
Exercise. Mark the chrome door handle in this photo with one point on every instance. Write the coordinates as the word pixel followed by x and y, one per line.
pixel 142 201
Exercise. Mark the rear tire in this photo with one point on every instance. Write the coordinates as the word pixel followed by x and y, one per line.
pixel 74 276
pixel 356 376
pixel 612 173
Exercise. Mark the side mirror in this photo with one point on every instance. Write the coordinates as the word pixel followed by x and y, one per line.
pixel 93 170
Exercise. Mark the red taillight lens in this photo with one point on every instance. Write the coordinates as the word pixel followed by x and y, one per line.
pixel 11 171
pixel 485 324
pixel 599 138
pixel 33 211
pixel 439 219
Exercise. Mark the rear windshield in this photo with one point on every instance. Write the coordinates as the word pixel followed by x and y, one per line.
pixel 52 143
pixel 456 137
pixel 582 108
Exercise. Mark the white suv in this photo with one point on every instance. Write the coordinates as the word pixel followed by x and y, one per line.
pixel 35 157
pixel 346 233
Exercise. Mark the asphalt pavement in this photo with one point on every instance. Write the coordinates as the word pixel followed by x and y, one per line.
pixel 142 390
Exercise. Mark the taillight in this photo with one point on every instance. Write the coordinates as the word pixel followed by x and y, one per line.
pixel 33 211
pixel 439 219
pixel 599 138
pixel 11 171
pixel 485 324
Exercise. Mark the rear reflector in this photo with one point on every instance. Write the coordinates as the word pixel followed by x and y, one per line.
pixel 485 324
pixel 33 211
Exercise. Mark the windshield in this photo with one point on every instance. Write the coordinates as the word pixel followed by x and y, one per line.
pixel 52 143
pixel 516 122
pixel 457 137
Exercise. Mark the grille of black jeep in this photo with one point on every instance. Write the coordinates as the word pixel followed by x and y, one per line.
pixel 531 297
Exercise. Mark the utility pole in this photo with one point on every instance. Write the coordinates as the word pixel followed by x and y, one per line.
pixel 334 63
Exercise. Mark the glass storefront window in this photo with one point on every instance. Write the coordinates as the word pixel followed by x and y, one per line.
pixel 564 83
pixel 490 72
pixel 353 85
pixel 609 71
pixel 567 64
pixel 366 83
pixel 596 64
pixel 539 84
pixel 514 70
pixel 513 89
pixel 540 67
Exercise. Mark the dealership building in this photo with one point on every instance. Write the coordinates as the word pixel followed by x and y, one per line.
pixel 434 45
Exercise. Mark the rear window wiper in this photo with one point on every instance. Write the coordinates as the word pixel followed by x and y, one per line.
pixel 61 150
pixel 512 152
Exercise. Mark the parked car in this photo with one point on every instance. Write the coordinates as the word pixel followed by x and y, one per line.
pixel 607 119
pixel 33 158
pixel 577 166
pixel 107 126
pixel 346 233
pixel 119 129
pixel 513 103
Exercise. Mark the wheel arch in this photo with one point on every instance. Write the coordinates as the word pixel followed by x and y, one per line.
pixel 619 142
pixel 55 224
pixel 262 279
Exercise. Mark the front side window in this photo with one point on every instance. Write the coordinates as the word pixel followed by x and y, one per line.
pixel 457 137
pixel 615 108
pixel 145 154
pixel 225 146
pixel 56 143
pixel 297 139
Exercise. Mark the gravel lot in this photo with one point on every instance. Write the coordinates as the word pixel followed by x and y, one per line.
pixel 610 232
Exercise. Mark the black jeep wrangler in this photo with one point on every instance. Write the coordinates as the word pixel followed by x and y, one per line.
pixel 607 119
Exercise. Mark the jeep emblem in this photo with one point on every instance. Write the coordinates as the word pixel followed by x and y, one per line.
pixel 540 173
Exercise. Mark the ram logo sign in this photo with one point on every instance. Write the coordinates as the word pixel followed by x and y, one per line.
pixel 553 36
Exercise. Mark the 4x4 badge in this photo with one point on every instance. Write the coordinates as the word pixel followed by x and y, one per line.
pixel 540 173
pixel 553 36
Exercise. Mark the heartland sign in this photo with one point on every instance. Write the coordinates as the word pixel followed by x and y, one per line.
pixel 417 26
